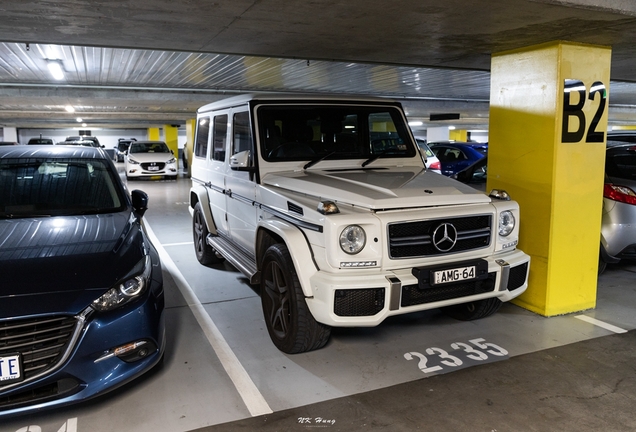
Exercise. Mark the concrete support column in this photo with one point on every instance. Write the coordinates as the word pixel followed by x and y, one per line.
pixel 153 134
pixel 548 118
pixel 439 133
pixel 171 138
pixel 10 134
pixel 190 129
pixel 458 135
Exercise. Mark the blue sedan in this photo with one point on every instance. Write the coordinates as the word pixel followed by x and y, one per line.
pixel 81 292
pixel 456 156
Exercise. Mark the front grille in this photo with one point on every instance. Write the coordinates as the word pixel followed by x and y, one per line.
pixel 517 276
pixel 415 239
pixel 40 341
pixel 414 295
pixel 359 302
pixel 160 166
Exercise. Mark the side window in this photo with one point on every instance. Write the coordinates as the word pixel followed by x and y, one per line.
pixel 203 133
pixel 219 137
pixel 242 133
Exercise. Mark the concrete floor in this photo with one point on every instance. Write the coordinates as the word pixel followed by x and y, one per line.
pixel 221 371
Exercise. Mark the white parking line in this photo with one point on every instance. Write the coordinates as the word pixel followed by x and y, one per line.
pixel 253 399
pixel 176 244
pixel 602 324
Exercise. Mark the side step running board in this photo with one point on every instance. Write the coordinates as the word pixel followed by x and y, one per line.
pixel 237 257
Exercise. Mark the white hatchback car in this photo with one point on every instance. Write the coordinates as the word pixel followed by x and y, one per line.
pixel 150 158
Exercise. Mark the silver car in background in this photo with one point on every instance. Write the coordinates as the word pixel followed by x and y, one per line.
pixel 618 227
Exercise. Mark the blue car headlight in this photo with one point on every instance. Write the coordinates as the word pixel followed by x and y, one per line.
pixel 128 289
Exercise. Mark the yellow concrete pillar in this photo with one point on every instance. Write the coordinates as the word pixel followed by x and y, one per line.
pixel 458 135
pixel 171 138
pixel 190 129
pixel 153 134
pixel 548 117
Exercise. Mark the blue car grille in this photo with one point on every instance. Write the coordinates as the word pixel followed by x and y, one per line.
pixel 42 342
pixel 415 239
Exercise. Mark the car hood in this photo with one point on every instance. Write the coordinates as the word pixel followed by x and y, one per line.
pixel 62 264
pixel 151 157
pixel 378 189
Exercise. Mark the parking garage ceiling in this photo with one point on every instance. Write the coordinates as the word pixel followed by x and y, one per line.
pixel 146 63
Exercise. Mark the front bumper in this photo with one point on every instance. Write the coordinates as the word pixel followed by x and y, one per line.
pixel 374 296
pixel 135 170
pixel 81 376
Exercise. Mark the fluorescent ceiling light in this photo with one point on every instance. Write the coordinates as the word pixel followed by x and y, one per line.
pixel 415 123
pixel 79 119
pixel 56 70
pixel 69 108
pixel 451 128
pixel 83 124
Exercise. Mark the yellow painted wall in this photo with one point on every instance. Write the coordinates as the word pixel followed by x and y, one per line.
pixel 558 185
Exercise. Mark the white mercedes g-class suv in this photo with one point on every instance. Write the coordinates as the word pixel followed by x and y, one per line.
pixel 325 202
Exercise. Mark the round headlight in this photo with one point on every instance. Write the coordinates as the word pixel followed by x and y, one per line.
pixel 506 223
pixel 352 239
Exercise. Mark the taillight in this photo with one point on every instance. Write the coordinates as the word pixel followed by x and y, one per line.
pixel 619 193
pixel 435 165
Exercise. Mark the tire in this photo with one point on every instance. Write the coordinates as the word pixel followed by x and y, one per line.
pixel 290 324
pixel 473 310
pixel 204 252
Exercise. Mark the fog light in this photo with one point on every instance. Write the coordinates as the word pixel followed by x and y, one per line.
pixel 131 352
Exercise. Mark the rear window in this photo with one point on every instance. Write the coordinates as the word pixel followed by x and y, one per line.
pixel 620 162
pixel 57 187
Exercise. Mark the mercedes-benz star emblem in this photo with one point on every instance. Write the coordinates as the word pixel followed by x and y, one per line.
pixel 444 237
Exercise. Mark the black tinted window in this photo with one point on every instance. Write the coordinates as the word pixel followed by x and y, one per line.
pixel 203 133
pixel 242 132
pixel 219 137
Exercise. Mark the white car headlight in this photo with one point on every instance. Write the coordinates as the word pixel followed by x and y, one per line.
pixel 352 239
pixel 126 290
pixel 132 161
pixel 171 161
pixel 506 223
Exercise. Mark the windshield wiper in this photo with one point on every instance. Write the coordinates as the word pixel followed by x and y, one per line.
pixel 375 157
pixel 318 159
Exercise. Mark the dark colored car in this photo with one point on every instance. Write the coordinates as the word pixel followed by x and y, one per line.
pixel 84 138
pixel 122 147
pixel 455 156
pixel 85 143
pixel 81 292
pixel 40 141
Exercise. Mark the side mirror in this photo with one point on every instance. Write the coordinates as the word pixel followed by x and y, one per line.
pixel 241 161
pixel 139 202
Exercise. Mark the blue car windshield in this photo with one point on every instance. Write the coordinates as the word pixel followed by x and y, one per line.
pixel 57 187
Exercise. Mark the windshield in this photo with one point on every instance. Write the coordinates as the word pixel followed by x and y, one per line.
pixel 313 133
pixel 149 147
pixel 57 187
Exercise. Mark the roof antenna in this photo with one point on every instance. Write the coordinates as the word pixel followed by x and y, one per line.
pixel 28 47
